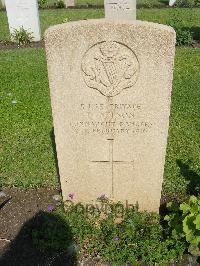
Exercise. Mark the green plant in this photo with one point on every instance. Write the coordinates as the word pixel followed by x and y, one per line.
pixel 22 36
pixel 106 236
pixel 184 221
pixel 183 36
pixel 51 233
pixel 65 20
pixel 42 3
pixel 59 4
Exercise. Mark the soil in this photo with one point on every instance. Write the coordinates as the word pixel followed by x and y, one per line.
pixel 20 210
pixel 8 45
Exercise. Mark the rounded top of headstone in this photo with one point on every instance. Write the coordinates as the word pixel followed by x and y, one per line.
pixel 58 29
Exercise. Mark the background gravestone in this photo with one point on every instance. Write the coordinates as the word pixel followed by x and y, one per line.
pixel 122 9
pixel 24 13
pixel 69 3
pixel 110 88
pixel 172 2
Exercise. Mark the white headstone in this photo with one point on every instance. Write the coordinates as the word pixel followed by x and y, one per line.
pixel 172 2
pixel 120 9
pixel 110 87
pixel 24 13
pixel 69 3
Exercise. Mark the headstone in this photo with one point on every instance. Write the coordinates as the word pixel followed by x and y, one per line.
pixel 121 9
pixel 172 2
pixel 69 3
pixel 3 3
pixel 110 87
pixel 23 13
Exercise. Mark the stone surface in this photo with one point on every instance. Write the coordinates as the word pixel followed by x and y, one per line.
pixel 110 87
pixel 24 13
pixel 172 2
pixel 122 9
pixel 69 3
pixel 2 194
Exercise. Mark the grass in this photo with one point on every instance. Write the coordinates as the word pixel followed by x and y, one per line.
pixel 27 157
pixel 26 153
pixel 100 3
pixel 189 18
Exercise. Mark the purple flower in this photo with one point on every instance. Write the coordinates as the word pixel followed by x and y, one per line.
pixel 116 238
pixel 50 208
pixel 71 196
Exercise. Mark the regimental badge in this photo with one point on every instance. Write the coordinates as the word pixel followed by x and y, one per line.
pixel 110 68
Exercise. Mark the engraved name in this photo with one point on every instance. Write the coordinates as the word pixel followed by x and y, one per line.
pixel 113 118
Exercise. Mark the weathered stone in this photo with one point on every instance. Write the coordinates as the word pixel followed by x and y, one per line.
pixel 69 3
pixel 23 13
pixel 122 9
pixel 110 87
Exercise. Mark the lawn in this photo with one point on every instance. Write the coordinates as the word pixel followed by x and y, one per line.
pixel 189 18
pixel 27 155
pixel 140 3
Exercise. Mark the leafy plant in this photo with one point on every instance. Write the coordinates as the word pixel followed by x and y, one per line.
pixel 52 233
pixel 22 36
pixel 60 4
pixel 183 36
pixel 65 20
pixel 184 221
pixel 42 3
pixel 104 235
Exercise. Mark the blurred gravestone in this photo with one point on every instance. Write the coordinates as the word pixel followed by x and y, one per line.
pixel 69 3
pixel 24 13
pixel 172 2
pixel 122 9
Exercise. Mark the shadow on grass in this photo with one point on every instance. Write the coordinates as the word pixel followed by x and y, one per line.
pixel 193 188
pixel 53 238
pixel 195 32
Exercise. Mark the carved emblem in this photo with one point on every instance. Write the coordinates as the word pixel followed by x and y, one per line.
pixel 110 67
pixel 121 4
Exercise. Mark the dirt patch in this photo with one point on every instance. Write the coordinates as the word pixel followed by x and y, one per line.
pixel 7 45
pixel 19 210
pixel 10 45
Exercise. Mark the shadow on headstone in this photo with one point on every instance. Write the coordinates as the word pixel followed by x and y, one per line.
pixel 193 187
pixel 51 235
pixel 52 136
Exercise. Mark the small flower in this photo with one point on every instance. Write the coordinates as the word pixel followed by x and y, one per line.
pixel 50 208
pixel 116 238
pixel 14 101
pixel 71 195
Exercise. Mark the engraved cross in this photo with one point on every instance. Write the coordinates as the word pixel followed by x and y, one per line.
pixel 112 161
